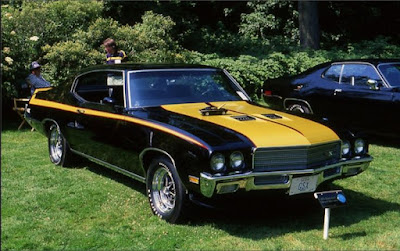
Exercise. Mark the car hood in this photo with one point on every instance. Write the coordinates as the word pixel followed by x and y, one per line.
pixel 263 127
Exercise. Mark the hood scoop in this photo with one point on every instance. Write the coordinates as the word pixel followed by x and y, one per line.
pixel 272 116
pixel 244 118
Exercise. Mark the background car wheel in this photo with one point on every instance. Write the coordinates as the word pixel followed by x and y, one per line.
pixel 167 195
pixel 299 108
pixel 58 147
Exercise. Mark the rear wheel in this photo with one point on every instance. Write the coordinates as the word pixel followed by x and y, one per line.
pixel 58 147
pixel 299 108
pixel 167 195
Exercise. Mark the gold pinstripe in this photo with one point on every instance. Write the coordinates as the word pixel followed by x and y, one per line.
pixel 74 109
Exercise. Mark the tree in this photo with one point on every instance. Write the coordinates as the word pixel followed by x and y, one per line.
pixel 309 24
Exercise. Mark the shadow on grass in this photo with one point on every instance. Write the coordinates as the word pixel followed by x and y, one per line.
pixel 350 236
pixel 259 215
pixel 270 215
pixel 108 173
pixel 385 141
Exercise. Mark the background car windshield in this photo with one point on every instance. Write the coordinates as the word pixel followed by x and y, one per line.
pixel 391 73
pixel 155 88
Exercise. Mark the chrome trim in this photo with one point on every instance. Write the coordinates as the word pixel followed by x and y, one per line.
pixel 273 96
pixel 44 121
pixel 209 183
pixel 236 84
pixel 297 100
pixel 141 155
pixel 358 62
pixel 111 166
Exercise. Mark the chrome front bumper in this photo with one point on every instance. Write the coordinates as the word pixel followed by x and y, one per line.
pixel 212 184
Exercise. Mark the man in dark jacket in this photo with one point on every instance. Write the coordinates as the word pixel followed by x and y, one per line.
pixel 35 79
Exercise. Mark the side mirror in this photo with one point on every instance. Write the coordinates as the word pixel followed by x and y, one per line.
pixel 374 85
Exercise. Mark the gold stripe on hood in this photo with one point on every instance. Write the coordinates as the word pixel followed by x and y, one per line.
pixel 263 132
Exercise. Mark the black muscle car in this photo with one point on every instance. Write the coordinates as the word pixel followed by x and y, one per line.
pixel 188 132
pixel 363 95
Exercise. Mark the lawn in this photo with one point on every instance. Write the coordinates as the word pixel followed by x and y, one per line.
pixel 89 207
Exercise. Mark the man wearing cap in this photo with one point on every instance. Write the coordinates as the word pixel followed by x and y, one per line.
pixel 35 79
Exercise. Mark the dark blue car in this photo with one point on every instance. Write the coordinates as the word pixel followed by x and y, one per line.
pixel 359 94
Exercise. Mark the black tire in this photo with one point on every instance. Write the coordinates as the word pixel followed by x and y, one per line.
pixel 58 147
pixel 166 193
pixel 299 108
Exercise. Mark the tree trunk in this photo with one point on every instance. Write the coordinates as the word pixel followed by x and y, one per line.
pixel 309 24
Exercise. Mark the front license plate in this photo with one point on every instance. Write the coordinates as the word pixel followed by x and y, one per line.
pixel 305 184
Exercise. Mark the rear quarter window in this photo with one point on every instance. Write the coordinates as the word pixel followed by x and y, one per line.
pixel 333 73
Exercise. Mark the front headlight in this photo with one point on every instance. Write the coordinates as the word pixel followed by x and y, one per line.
pixel 217 162
pixel 359 146
pixel 236 160
pixel 345 147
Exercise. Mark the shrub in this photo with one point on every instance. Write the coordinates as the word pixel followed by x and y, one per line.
pixel 66 58
pixel 27 29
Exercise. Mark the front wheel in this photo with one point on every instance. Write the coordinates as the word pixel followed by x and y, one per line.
pixel 165 190
pixel 58 147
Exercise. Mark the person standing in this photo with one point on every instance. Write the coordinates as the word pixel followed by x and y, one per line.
pixel 114 56
pixel 35 79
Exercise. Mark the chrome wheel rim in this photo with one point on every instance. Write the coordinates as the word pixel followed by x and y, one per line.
pixel 163 190
pixel 56 145
pixel 297 108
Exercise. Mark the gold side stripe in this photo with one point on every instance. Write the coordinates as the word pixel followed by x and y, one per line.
pixel 74 109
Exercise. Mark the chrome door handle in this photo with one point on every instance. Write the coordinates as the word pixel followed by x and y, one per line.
pixel 80 111
pixel 337 91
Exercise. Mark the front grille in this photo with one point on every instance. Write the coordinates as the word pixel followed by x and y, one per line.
pixel 296 158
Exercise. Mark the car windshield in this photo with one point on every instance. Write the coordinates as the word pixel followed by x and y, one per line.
pixel 391 72
pixel 161 87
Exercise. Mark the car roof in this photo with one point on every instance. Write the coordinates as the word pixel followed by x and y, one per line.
pixel 139 66
pixel 373 61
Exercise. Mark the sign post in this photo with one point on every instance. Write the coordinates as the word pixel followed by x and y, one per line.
pixel 328 200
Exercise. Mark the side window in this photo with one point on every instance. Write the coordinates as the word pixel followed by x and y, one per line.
pixel 333 73
pixel 96 86
pixel 359 74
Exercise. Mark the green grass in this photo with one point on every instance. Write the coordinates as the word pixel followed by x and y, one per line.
pixel 47 207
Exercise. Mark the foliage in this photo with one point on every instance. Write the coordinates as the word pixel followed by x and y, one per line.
pixel 66 58
pixel 252 71
pixel 270 18
pixel 65 36
pixel 255 41
pixel 29 27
